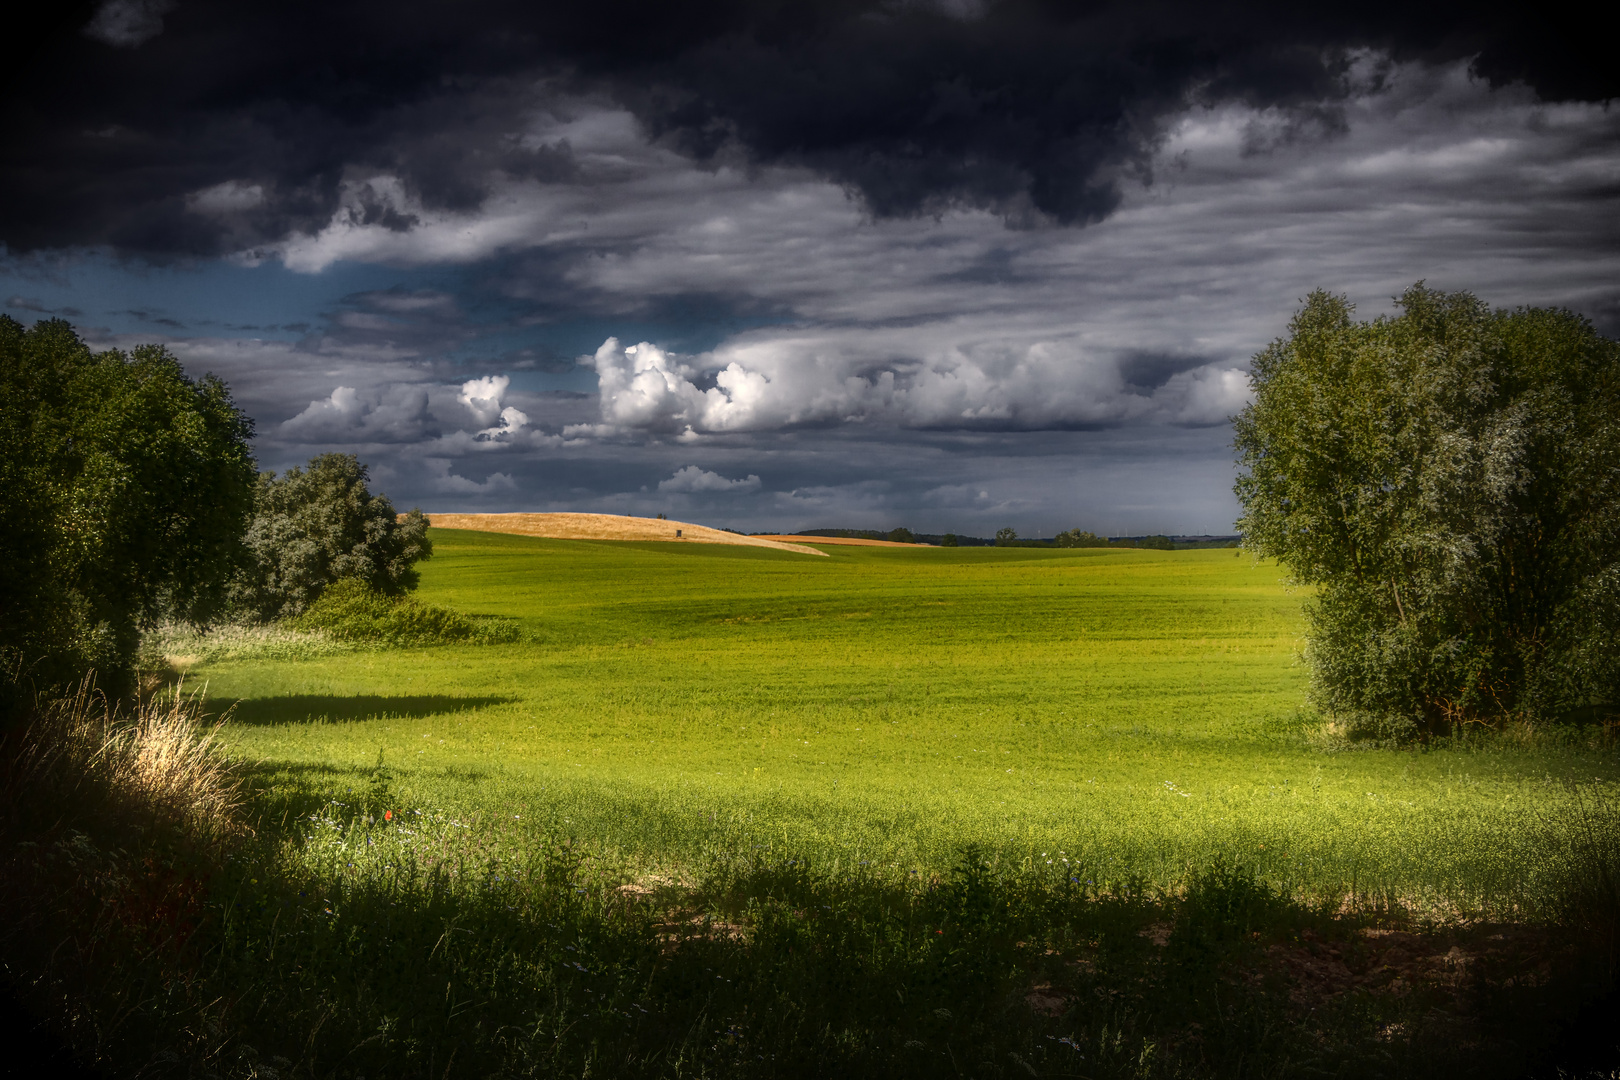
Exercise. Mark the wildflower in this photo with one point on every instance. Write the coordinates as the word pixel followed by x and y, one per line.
pixel 388 815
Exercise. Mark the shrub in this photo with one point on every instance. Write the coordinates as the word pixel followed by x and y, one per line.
pixel 350 610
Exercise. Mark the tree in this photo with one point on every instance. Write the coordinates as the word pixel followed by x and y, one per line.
pixel 902 535
pixel 1079 538
pixel 1006 536
pixel 314 526
pixel 948 540
pixel 1448 480
pixel 127 487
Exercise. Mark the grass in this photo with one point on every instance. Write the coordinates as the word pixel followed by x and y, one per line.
pixel 888 707
pixel 897 812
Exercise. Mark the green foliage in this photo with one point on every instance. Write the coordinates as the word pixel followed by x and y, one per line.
pixel 902 535
pixel 351 610
pixel 315 526
pixel 1079 538
pixel 126 488
pixel 1006 536
pixel 1449 480
pixel 948 540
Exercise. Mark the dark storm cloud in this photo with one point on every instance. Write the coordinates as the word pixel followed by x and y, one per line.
pixel 203 127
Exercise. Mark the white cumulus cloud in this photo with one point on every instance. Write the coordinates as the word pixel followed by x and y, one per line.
pixel 772 380
pixel 483 397
pixel 394 414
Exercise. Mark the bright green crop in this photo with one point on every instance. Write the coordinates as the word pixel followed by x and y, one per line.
pixel 674 702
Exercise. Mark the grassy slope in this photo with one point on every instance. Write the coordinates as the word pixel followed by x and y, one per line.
pixel 893 705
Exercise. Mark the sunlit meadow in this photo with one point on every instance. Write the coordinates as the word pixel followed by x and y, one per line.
pixel 1140 712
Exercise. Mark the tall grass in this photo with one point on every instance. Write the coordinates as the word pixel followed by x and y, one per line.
pixel 95 763
pixel 113 822
pixel 180 647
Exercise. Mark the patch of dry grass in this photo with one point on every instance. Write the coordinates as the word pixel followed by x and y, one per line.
pixel 84 759
pixel 607 527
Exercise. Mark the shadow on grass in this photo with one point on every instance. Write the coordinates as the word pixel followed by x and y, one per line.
pixel 336 708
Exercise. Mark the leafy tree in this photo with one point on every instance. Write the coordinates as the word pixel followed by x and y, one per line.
pixel 948 540
pixel 127 487
pixel 1006 536
pixel 1449 481
pixel 318 525
pixel 901 535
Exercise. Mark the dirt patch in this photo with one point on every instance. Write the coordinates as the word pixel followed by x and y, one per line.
pixel 1158 933
pixel 852 541
pixel 1452 968
pixel 1045 1001
pixel 650 885
pixel 680 927
pixel 608 527
pixel 1394 962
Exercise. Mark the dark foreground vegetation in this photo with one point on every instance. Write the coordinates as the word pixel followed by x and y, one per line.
pixel 155 917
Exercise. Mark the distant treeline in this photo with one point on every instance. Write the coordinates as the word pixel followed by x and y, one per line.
pixel 1010 538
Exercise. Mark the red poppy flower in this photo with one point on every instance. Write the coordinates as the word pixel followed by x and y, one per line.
pixel 388 815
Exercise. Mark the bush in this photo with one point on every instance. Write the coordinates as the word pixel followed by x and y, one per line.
pixel 350 610
pixel 314 526
pixel 1449 481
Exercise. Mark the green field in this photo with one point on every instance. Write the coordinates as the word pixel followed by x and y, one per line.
pixel 1140 712
pixel 730 812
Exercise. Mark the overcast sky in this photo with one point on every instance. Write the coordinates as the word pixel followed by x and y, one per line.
pixel 953 265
